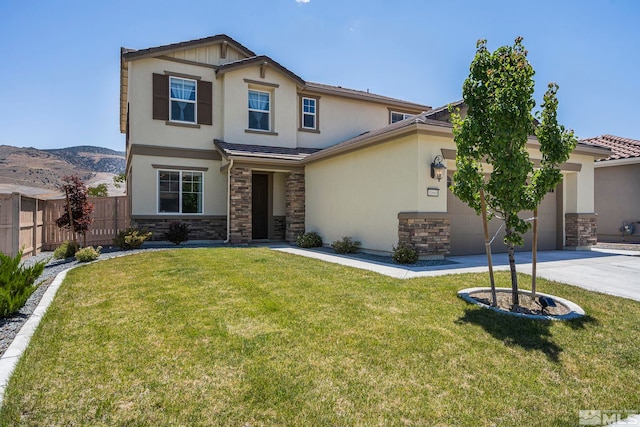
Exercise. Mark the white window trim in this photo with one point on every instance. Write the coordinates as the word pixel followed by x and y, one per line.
pixel 194 102
pixel 314 114
pixel 404 116
pixel 269 94
pixel 180 172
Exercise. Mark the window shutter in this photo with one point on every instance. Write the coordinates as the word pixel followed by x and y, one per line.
pixel 160 97
pixel 205 107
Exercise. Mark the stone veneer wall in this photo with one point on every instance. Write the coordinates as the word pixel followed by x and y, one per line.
pixel 279 227
pixel 206 228
pixel 580 230
pixel 240 207
pixel 429 233
pixel 295 205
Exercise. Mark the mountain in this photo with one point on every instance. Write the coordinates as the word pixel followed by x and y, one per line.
pixel 44 169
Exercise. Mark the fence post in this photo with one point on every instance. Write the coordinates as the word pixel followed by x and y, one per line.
pixel 15 220
pixel 34 237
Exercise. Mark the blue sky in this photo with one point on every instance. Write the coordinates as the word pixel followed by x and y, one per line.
pixel 60 59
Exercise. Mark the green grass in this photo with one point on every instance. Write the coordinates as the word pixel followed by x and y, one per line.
pixel 249 337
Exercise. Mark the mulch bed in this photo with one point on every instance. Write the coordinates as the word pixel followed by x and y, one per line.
pixel 527 305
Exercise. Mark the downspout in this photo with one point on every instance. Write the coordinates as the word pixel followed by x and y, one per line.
pixel 229 201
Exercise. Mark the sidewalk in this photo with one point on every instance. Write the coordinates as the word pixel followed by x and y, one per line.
pixel 608 271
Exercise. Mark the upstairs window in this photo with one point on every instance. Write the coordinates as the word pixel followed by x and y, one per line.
pixel 396 116
pixel 182 97
pixel 179 192
pixel 259 110
pixel 309 113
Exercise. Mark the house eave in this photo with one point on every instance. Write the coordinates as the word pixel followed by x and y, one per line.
pixel 617 162
pixel 315 88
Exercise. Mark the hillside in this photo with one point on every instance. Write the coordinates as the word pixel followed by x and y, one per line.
pixel 45 169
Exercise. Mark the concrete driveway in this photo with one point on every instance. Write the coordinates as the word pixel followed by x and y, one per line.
pixel 611 272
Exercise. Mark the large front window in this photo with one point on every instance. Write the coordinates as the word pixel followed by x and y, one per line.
pixel 259 110
pixel 179 192
pixel 182 95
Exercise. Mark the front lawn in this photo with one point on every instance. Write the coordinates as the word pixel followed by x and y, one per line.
pixel 249 337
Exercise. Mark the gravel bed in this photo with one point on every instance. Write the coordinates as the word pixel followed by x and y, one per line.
pixel 386 259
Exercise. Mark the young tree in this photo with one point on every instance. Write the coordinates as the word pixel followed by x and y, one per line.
pixel 499 121
pixel 77 204
pixel 99 190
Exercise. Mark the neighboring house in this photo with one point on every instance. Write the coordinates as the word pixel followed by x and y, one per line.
pixel 617 188
pixel 244 150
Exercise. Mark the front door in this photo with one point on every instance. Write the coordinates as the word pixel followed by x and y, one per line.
pixel 260 206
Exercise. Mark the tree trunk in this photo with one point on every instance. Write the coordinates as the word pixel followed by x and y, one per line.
pixel 515 299
pixel 73 232
pixel 534 253
pixel 487 246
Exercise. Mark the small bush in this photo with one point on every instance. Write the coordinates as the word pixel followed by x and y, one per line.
pixel 346 246
pixel 88 254
pixel 309 240
pixel 65 250
pixel 131 238
pixel 178 232
pixel 16 283
pixel 405 253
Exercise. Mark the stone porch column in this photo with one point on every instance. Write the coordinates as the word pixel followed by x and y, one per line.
pixel 240 206
pixel 295 208
pixel 580 230
pixel 428 232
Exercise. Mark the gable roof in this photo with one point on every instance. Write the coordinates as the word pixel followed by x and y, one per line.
pixel 129 54
pixel 260 59
pixel 621 148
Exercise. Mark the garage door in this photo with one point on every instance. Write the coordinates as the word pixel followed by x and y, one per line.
pixel 467 236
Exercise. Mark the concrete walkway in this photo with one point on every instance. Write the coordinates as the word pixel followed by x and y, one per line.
pixel 608 271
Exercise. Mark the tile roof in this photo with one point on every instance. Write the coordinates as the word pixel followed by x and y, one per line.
pixel 621 148
pixel 263 151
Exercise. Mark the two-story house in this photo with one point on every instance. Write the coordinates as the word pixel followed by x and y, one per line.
pixel 243 150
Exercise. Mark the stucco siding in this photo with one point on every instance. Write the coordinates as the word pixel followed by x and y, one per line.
pixel 360 194
pixel 145 184
pixel 147 131
pixel 283 107
pixel 617 199
pixel 341 119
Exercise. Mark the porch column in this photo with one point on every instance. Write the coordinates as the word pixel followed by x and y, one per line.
pixel 295 209
pixel 428 232
pixel 580 221
pixel 240 206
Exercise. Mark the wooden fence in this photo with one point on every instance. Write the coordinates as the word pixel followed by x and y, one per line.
pixel 29 223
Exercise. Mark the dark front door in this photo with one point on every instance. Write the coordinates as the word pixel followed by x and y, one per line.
pixel 260 206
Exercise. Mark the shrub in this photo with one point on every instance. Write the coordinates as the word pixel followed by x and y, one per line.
pixel 178 232
pixel 88 254
pixel 131 238
pixel 309 240
pixel 16 282
pixel 405 253
pixel 346 246
pixel 65 250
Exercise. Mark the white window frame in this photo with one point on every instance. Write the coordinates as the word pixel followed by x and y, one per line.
pixel 314 114
pixel 404 116
pixel 268 112
pixel 180 173
pixel 194 102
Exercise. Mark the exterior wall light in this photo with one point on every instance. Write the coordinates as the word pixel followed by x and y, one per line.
pixel 437 168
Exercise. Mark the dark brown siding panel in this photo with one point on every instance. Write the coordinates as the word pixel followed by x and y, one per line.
pixel 160 97
pixel 205 107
